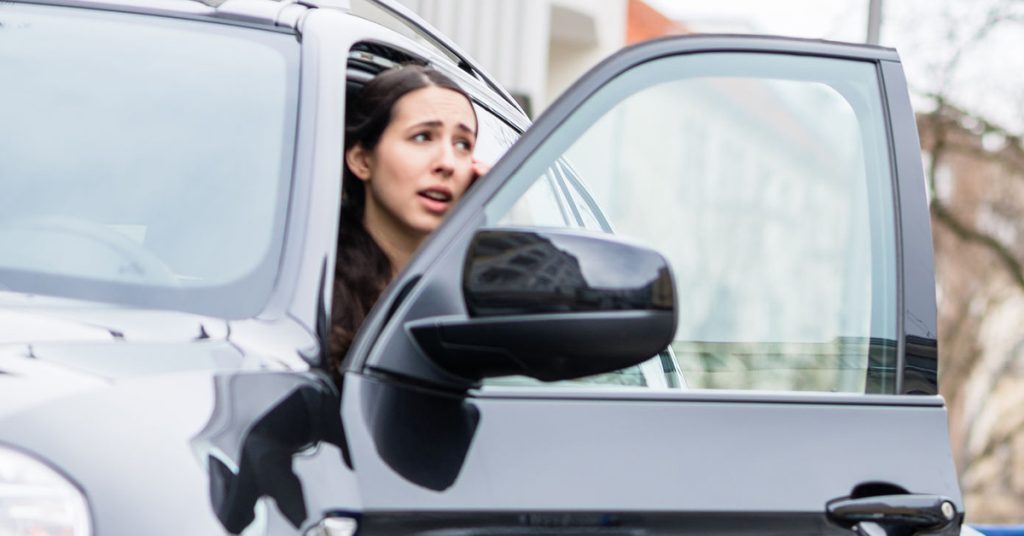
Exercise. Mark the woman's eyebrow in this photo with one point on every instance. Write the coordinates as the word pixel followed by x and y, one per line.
pixel 434 123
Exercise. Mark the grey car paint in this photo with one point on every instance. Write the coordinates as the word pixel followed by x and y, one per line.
pixel 159 445
pixel 144 412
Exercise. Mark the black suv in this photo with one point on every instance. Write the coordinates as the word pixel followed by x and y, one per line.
pixel 696 297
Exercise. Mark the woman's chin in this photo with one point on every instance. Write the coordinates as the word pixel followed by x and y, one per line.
pixel 425 225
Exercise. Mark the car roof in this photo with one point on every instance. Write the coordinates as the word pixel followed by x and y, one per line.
pixel 284 16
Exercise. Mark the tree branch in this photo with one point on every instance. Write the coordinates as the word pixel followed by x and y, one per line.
pixel 942 214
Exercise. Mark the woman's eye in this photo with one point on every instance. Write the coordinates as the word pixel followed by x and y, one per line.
pixel 464 145
pixel 422 136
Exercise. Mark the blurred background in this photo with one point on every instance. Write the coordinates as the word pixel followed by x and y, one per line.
pixel 966 74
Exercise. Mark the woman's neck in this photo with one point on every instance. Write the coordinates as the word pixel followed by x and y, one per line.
pixel 398 246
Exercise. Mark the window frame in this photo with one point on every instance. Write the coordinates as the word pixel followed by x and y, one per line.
pixel 916 318
pixel 880 369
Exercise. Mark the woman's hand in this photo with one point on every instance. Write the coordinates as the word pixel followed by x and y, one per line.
pixel 479 169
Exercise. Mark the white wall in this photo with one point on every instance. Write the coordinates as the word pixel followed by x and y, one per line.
pixel 583 32
pixel 535 48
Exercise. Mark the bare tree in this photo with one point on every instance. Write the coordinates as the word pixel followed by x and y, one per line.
pixel 975 169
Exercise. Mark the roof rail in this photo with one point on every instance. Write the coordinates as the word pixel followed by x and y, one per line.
pixel 336 4
pixel 286 13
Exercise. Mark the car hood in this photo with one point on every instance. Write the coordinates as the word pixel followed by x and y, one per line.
pixel 51 348
pixel 28 319
pixel 48 372
pixel 151 414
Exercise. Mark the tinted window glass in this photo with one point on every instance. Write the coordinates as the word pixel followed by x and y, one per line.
pixel 494 136
pixel 590 214
pixel 771 195
pixel 143 159
pixel 541 205
pixel 374 12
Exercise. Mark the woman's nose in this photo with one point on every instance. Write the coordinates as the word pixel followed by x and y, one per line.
pixel 445 160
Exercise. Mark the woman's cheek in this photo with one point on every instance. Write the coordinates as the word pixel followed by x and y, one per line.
pixel 466 175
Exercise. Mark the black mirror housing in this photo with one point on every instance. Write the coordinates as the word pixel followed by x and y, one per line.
pixel 553 304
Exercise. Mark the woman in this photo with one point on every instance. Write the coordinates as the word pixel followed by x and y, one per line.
pixel 408 159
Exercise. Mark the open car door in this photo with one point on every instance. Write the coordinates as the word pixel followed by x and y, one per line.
pixel 782 181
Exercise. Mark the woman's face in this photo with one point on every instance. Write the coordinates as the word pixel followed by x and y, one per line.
pixel 421 166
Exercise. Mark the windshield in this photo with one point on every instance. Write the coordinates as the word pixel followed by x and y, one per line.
pixel 143 160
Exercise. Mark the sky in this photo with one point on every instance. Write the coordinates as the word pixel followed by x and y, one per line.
pixel 988 79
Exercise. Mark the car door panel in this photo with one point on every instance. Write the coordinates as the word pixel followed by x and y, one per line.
pixel 635 453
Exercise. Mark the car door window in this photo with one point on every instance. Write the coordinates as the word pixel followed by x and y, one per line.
pixel 771 196
pixel 583 202
pixel 388 18
pixel 541 206
pixel 494 136
pixel 550 201
pixel 544 203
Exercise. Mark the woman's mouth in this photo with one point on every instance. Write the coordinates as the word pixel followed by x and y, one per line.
pixel 436 200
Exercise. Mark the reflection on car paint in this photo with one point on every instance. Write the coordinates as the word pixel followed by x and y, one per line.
pixel 260 423
pixel 422 436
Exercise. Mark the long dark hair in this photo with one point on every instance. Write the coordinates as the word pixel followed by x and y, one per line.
pixel 363 269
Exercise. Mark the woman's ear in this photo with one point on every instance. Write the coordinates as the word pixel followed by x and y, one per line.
pixel 358 161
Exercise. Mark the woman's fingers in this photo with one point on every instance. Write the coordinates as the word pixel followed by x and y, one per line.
pixel 480 168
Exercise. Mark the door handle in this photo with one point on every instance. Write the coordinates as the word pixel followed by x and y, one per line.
pixel 892 515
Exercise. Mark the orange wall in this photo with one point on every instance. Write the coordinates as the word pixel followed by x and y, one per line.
pixel 643 22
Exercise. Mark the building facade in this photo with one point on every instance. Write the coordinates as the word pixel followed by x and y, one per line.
pixel 535 48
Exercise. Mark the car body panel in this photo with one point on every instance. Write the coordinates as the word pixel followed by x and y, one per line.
pixel 566 453
pixel 173 423
pixel 168 436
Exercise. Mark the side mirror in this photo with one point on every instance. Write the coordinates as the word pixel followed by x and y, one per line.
pixel 553 305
